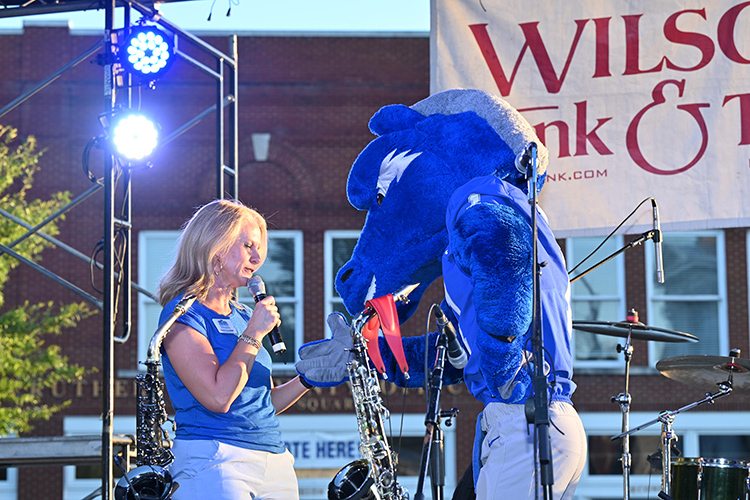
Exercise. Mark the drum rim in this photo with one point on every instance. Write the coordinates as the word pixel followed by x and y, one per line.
pixel 724 463
pixel 687 461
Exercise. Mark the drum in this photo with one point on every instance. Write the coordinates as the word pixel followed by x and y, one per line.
pixel 684 480
pixel 722 479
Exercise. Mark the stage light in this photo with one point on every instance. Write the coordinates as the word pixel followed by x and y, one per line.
pixel 147 53
pixel 134 136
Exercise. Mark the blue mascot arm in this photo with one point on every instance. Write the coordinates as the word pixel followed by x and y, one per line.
pixel 491 243
pixel 414 351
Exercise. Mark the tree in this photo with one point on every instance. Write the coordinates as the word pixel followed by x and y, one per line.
pixel 27 363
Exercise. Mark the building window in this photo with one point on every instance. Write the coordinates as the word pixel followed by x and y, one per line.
pixel 707 435
pixel 692 298
pixel 338 248
pixel 9 483
pixel 281 272
pixel 323 444
pixel 597 296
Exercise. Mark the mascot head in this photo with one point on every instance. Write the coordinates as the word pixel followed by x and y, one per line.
pixel 405 177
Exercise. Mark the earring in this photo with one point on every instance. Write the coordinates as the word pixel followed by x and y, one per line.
pixel 221 266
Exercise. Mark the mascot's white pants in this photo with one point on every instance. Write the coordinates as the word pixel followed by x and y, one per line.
pixel 508 463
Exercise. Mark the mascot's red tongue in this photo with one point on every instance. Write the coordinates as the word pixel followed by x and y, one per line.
pixel 386 319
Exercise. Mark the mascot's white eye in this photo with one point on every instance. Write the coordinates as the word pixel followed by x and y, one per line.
pixel 392 168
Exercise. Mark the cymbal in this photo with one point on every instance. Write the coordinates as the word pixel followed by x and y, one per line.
pixel 637 331
pixel 706 371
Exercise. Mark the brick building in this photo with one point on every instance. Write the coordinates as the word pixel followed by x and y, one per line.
pixel 309 98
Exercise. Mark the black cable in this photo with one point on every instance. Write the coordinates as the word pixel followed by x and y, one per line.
pixel 97 249
pixel 94 141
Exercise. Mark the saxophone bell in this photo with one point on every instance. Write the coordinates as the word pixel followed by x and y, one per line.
pixel 146 482
pixel 353 482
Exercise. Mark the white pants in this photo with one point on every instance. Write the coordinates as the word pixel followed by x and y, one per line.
pixel 212 470
pixel 509 468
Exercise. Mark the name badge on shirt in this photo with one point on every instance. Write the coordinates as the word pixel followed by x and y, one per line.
pixel 225 326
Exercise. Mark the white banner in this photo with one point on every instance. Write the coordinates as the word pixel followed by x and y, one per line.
pixel 637 99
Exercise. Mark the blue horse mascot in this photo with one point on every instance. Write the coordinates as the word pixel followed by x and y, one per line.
pixel 444 197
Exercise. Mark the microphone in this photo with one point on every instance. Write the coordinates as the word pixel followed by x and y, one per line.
pixel 258 290
pixel 456 353
pixel 657 242
pixel 524 158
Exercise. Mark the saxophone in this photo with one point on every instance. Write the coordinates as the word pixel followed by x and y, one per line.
pixel 151 480
pixel 374 476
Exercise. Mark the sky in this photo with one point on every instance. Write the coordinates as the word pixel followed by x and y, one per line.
pixel 265 15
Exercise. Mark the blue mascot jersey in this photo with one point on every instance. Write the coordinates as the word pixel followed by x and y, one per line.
pixel 555 298
pixel 251 421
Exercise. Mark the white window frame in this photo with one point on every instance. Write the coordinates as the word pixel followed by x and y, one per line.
pixel 293 426
pixel 9 487
pixel 328 276
pixel 687 426
pixel 619 262
pixel 146 331
pixel 720 298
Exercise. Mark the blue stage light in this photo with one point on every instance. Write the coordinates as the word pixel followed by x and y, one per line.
pixel 147 53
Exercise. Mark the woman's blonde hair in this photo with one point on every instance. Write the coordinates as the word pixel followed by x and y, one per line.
pixel 211 231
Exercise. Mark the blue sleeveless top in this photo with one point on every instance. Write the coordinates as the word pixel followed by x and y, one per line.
pixel 251 421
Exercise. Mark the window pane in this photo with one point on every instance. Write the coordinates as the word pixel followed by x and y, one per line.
pixel 278 269
pixel 339 307
pixel 729 447
pixel 287 334
pixel 605 454
pixel 3 474
pixel 597 310
pixel 409 449
pixel 94 471
pixel 591 346
pixel 696 318
pixel 689 265
pixel 602 280
pixel 162 248
pixel 341 252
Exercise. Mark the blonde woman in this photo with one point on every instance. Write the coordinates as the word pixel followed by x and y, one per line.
pixel 228 443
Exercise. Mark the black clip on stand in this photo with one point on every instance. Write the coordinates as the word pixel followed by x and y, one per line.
pixel 432 447
pixel 540 412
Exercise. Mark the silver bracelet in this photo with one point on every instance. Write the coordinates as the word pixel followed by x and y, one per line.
pixel 250 340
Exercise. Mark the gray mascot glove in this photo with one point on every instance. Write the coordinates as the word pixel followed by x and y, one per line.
pixel 323 362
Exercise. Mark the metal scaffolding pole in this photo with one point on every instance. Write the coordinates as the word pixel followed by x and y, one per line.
pixel 108 364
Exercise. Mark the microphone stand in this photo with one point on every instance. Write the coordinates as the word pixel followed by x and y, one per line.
pixel 432 446
pixel 541 397
pixel 650 234
pixel 624 399
pixel 666 418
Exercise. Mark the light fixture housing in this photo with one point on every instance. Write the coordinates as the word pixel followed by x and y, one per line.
pixel 146 53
